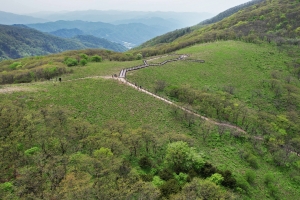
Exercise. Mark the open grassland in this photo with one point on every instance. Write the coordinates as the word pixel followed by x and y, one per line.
pixel 244 67
pixel 99 100
pixel 105 68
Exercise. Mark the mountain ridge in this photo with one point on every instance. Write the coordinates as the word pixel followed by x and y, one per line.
pixel 7 18
pixel 17 42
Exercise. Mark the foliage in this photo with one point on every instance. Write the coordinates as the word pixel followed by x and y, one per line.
pixel 246 25
pixel 96 58
pixel 145 162
pixel 84 56
pixel 157 181
pixel 70 62
pixel 250 176
pixel 216 178
pixel 181 178
pixel 181 157
pixel 82 62
pixel 230 12
pixel 31 151
pixel 139 56
pixel 15 65
pixel 169 187
pixel 6 187
pixel 166 174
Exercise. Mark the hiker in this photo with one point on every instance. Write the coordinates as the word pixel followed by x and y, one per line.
pixel 59 79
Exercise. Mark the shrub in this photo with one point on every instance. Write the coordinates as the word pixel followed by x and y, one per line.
pixel 146 177
pixel 182 158
pixel 253 161
pixel 242 183
pixel 181 178
pixel 84 56
pixel 269 178
pixel 250 176
pixel 15 65
pixel 170 187
pixel 216 178
pixel 166 174
pixel 83 62
pixel 71 62
pixel 139 56
pixel 208 170
pixel 157 181
pixel 6 187
pixel 96 58
pixel 31 151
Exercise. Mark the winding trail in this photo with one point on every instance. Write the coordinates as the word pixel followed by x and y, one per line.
pixel 122 78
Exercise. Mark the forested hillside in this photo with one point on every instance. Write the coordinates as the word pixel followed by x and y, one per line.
pixel 171 36
pixel 67 33
pixel 17 42
pixel 276 22
pixel 229 12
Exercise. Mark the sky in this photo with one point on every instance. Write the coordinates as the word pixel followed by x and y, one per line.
pixel 33 6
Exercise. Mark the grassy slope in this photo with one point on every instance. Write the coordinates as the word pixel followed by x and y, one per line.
pixel 98 100
pixel 273 21
pixel 239 64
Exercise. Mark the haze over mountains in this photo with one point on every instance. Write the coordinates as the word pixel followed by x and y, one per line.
pixel 86 29
pixel 134 33
pixel 179 19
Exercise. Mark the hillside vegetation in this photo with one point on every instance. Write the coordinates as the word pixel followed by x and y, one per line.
pixel 76 135
pixel 229 12
pixel 275 21
pixel 171 36
pixel 17 42
pixel 91 136
pixel 41 68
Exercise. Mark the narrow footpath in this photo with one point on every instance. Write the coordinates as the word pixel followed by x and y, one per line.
pixel 122 78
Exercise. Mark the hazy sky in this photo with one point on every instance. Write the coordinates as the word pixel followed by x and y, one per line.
pixel 31 6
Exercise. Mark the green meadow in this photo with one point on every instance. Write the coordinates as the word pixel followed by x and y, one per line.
pixel 231 63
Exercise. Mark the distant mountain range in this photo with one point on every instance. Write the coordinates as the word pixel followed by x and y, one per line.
pixel 10 18
pixel 181 19
pixel 41 34
pixel 134 33
pixel 16 42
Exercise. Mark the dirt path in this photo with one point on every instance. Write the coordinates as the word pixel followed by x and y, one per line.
pixel 14 89
pixel 122 78
pixel 180 107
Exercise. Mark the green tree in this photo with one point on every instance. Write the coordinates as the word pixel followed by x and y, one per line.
pixel 182 158
pixel 216 178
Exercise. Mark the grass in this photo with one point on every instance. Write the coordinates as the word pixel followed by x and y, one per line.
pixel 98 100
pixel 105 68
pixel 225 154
pixel 241 65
